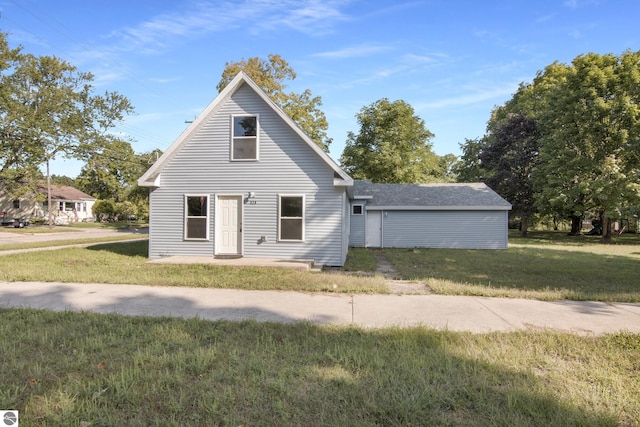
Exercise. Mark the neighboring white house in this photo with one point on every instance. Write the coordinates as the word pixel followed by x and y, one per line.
pixel 244 180
pixel 68 205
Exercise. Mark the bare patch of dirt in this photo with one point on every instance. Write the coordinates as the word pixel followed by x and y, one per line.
pixel 403 287
pixel 386 269
pixel 384 266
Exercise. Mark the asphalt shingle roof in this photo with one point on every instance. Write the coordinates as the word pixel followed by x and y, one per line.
pixel 64 192
pixel 467 195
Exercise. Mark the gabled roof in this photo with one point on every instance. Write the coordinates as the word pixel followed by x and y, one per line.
pixel 64 192
pixel 151 177
pixel 471 196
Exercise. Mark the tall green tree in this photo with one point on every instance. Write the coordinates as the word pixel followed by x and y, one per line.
pixel 589 153
pixel 17 162
pixel 447 164
pixel 109 171
pixel 111 175
pixel 510 158
pixel 392 146
pixel 270 75
pixel 49 109
pixel 468 168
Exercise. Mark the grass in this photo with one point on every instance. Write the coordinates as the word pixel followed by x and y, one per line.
pixel 68 242
pixel 360 260
pixel 85 369
pixel 126 263
pixel 545 266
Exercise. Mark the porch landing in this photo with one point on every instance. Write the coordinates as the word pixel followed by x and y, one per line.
pixel 294 264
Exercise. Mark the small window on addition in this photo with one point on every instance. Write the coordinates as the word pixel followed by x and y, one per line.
pixel 357 209
pixel 244 143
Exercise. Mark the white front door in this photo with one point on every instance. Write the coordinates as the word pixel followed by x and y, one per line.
pixel 229 225
pixel 373 231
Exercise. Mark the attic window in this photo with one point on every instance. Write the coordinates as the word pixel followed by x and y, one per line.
pixel 244 143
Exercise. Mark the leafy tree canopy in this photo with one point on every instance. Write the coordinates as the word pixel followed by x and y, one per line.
pixel 587 122
pixel 47 109
pixel 392 146
pixel 270 75
pixel 510 157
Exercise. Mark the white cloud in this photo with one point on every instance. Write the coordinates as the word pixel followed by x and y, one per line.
pixel 414 59
pixel 352 52
pixel 477 96
pixel 576 34
pixel 164 80
pixel 203 17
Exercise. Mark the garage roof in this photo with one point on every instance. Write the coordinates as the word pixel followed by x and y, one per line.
pixel 464 196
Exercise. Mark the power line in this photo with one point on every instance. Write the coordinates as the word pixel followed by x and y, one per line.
pixel 90 48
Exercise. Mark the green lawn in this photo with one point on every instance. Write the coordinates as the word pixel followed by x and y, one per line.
pixel 126 263
pixel 547 266
pixel 62 369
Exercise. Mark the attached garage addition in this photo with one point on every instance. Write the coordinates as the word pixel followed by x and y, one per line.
pixel 469 216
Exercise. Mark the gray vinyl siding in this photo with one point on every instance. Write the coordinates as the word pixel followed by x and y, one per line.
pixel 287 165
pixel 445 229
pixel 357 236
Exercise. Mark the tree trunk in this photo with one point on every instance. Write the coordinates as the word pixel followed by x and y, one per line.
pixel 576 226
pixel 606 230
pixel 524 225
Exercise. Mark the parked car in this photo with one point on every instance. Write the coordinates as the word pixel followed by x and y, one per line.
pixel 21 222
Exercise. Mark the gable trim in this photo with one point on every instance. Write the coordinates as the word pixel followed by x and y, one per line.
pixel 151 178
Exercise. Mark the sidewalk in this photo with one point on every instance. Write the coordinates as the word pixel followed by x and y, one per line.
pixel 455 313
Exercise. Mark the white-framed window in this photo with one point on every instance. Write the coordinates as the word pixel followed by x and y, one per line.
pixel 196 217
pixel 291 218
pixel 244 139
pixel 356 209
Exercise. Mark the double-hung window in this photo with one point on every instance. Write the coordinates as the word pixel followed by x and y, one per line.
pixel 291 218
pixel 244 142
pixel 196 221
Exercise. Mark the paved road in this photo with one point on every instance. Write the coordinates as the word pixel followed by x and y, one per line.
pixel 8 237
pixel 456 313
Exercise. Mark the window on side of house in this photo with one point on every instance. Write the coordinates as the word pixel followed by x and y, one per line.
pixel 196 221
pixel 16 204
pixel 244 141
pixel 356 209
pixel 291 218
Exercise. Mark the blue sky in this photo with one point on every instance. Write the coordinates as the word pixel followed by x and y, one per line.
pixel 453 61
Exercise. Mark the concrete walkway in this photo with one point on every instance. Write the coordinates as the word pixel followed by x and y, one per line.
pixel 455 313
